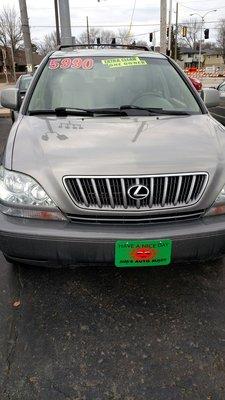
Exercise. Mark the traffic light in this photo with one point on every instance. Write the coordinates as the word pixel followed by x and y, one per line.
pixel 184 31
pixel 206 33
pixel 98 41
pixel 113 43
pixel 167 32
pixel 151 37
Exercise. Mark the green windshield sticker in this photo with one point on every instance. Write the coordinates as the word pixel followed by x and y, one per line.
pixel 124 62
pixel 143 253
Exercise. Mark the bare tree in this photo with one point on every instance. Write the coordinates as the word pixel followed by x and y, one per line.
pixel 10 35
pixel 193 34
pixel 48 44
pixel 221 37
pixel 104 34
pixel 93 34
pixel 125 36
pixel 107 36
pixel 141 43
pixel 10 28
pixel 209 46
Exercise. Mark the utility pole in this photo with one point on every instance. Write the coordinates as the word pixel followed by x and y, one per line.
pixel 200 45
pixel 64 12
pixel 88 33
pixel 13 63
pixel 154 40
pixel 176 33
pixel 57 22
pixel 163 11
pixel 170 28
pixel 26 35
pixel 201 32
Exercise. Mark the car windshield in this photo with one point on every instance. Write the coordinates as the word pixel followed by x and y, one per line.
pixel 101 82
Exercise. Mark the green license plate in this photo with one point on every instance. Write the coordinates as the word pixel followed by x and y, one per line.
pixel 142 253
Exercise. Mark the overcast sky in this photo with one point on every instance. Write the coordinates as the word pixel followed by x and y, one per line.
pixel 116 12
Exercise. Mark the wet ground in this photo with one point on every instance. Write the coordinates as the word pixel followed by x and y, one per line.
pixel 111 334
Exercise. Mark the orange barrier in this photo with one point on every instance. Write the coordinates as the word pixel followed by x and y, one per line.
pixel 203 74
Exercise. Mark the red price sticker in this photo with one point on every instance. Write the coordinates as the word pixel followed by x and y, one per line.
pixel 65 63
pixel 88 63
pixel 68 62
pixel 53 63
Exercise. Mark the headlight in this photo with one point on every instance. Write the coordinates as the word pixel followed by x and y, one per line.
pixel 218 206
pixel 22 196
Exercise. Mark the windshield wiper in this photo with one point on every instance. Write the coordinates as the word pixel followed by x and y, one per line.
pixel 64 111
pixel 154 111
pixel 117 111
pixel 39 112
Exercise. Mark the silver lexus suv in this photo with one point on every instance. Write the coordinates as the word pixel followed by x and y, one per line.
pixel 113 159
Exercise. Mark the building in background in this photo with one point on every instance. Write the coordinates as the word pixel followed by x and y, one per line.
pixel 211 59
pixel 214 58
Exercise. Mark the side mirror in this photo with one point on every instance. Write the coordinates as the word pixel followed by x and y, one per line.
pixel 10 98
pixel 211 97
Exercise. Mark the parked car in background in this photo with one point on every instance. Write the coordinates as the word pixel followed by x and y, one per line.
pixel 221 89
pixel 196 83
pixel 22 85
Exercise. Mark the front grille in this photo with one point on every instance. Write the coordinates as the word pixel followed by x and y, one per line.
pixel 111 193
pixel 153 219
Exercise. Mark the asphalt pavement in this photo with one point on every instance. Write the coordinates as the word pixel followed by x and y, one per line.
pixel 110 334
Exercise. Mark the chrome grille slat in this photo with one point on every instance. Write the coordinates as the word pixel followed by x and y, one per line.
pixel 165 191
pixel 124 193
pixel 151 192
pixel 82 193
pixel 96 193
pixel 138 203
pixel 111 193
pixel 89 191
pixel 191 189
pixel 178 191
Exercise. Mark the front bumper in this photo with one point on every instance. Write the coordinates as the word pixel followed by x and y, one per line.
pixel 65 243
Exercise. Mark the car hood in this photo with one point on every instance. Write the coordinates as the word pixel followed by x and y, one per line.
pixel 49 148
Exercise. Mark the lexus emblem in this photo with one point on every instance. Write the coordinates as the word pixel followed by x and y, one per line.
pixel 138 192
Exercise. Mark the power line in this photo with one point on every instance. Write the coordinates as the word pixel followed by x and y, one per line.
pixel 132 15
pixel 97 26
pixel 120 26
pixel 197 9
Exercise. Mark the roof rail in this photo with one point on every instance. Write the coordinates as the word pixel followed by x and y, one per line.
pixel 102 45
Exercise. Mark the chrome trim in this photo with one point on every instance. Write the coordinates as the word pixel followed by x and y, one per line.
pixel 151 192
pixel 191 188
pixel 138 202
pixel 110 193
pixel 178 189
pixel 131 207
pixel 135 219
pixel 124 193
pixel 82 192
pixel 165 191
pixel 96 193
